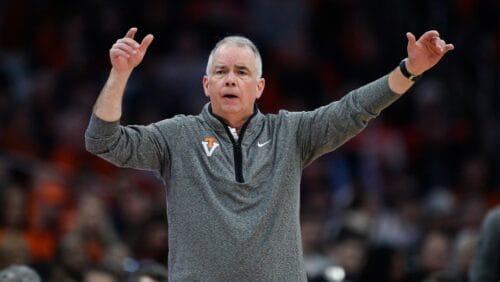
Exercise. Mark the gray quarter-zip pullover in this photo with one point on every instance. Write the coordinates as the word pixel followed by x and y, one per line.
pixel 233 205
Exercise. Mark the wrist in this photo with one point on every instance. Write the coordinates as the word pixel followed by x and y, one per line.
pixel 409 71
pixel 117 74
pixel 411 68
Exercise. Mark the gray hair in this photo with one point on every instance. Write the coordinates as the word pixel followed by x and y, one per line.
pixel 19 273
pixel 239 41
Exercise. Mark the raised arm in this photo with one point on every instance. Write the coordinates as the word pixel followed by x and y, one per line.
pixel 124 55
pixel 326 128
pixel 136 146
pixel 423 54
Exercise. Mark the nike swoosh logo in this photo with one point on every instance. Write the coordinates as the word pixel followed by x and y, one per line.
pixel 263 144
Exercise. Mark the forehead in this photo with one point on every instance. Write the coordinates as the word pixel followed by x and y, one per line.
pixel 231 54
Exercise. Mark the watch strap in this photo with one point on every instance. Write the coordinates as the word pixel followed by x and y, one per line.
pixel 406 73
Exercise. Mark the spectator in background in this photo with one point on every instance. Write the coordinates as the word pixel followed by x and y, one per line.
pixel 14 244
pixel 486 264
pixel 99 274
pixel 433 256
pixel 349 251
pixel 19 273
pixel 385 263
pixel 14 249
pixel 150 272
pixel 93 227
pixel 463 255
pixel 313 235
pixel 71 261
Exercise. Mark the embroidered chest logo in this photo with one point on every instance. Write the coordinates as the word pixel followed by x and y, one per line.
pixel 209 145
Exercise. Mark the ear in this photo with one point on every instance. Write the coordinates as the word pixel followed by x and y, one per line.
pixel 205 85
pixel 260 87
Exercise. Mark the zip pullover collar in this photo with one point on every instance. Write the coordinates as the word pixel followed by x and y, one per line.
pixel 252 125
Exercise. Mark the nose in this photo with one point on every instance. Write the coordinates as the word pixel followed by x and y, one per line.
pixel 230 80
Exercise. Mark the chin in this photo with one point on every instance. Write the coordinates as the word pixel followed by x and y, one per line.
pixel 231 109
pixel 233 105
pixel 223 109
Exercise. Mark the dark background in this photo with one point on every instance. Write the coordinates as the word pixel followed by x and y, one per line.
pixel 402 201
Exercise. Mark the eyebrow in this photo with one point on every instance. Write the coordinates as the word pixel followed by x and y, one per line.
pixel 243 67
pixel 239 67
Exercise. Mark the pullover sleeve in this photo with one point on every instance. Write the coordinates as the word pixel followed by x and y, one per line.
pixel 326 128
pixel 134 146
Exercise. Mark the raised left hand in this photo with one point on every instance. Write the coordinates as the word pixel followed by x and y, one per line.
pixel 425 52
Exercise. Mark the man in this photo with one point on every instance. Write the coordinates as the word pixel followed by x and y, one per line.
pixel 232 173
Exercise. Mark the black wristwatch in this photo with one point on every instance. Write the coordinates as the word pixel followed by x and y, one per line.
pixel 406 73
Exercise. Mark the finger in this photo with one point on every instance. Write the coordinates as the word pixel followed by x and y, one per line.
pixel 115 53
pixel 145 42
pixel 438 44
pixel 411 39
pixel 432 47
pixel 442 47
pixel 128 41
pixel 131 32
pixel 125 48
pixel 429 35
pixel 448 47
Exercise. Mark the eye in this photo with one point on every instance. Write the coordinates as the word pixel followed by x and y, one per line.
pixel 219 71
pixel 242 72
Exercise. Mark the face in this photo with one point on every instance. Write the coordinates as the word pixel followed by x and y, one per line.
pixel 232 84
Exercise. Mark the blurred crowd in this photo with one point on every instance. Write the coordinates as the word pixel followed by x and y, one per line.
pixel 402 201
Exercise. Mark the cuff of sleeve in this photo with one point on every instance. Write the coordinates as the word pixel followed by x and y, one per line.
pixel 381 95
pixel 99 127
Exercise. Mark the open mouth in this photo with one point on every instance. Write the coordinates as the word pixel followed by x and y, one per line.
pixel 230 96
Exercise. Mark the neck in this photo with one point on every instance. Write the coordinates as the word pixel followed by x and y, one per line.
pixel 234 121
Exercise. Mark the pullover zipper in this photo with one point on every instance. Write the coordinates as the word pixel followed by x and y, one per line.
pixel 237 153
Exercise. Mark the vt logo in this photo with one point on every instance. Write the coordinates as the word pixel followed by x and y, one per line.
pixel 209 145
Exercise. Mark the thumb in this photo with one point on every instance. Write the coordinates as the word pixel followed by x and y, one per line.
pixel 145 42
pixel 411 39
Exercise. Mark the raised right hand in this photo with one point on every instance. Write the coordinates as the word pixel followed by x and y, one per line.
pixel 126 53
